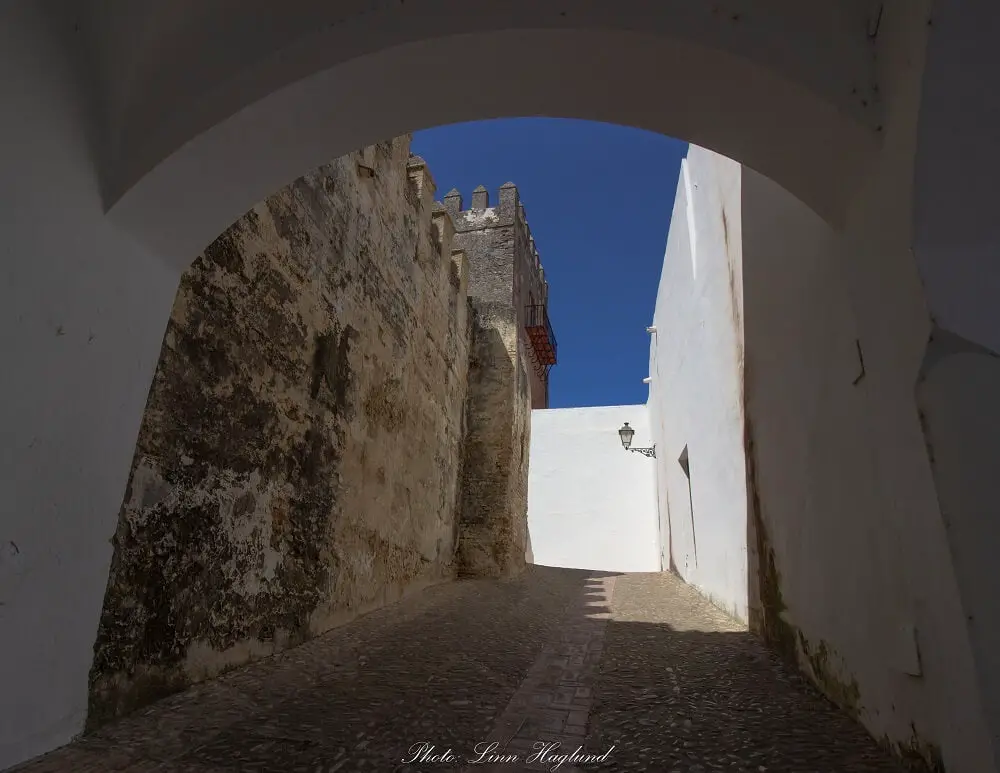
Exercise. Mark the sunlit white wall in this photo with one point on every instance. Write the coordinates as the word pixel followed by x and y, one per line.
pixel 591 504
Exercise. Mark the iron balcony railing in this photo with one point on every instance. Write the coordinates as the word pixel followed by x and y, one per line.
pixel 540 333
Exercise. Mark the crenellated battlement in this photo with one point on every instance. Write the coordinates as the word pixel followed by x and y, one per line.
pixel 423 184
pixel 482 213
pixel 437 219
pixel 508 212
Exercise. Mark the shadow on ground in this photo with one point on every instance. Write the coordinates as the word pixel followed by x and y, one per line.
pixel 683 687
pixel 679 687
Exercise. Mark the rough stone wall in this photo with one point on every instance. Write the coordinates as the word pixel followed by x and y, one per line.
pixel 299 457
pixel 494 527
pixel 506 267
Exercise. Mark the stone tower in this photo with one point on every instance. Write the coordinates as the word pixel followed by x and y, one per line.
pixel 506 280
pixel 512 349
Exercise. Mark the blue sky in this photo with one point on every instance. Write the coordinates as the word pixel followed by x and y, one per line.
pixel 598 199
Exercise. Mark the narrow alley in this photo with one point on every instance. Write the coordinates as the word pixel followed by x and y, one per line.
pixel 635 668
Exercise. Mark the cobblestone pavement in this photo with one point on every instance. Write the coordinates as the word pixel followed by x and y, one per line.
pixel 683 687
pixel 638 662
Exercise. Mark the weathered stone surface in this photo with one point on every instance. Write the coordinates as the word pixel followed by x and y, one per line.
pixel 505 265
pixel 298 462
pixel 493 526
pixel 504 383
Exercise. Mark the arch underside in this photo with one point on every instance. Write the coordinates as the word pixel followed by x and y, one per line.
pixel 198 109
pixel 205 131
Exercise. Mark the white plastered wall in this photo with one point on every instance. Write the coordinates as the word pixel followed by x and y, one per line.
pixel 847 507
pixel 591 504
pixel 84 309
pixel 695 393
pixel 847 504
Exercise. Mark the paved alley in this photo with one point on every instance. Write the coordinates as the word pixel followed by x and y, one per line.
pixel 481 671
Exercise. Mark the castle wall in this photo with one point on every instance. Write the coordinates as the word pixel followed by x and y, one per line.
pixel 299 457
pixel 494 532
pixel 530 289
pixel 506 267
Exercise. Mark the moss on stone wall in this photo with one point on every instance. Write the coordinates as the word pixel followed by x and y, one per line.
pixel 845 694
pixel 916 755
pixel 767 611
pixel 768 619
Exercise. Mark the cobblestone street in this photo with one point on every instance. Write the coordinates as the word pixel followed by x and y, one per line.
pixel 637 662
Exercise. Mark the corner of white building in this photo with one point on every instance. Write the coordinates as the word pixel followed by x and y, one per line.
pixel 696 391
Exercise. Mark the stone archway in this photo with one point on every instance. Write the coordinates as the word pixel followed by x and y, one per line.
pixel 215 125
pixel 129 153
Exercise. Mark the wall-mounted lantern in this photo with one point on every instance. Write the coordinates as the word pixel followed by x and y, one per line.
pixel 626 433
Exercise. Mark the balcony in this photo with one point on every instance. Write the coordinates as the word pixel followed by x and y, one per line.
pixel 540 336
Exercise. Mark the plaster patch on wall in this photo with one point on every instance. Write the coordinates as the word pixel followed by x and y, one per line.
pixel 481 218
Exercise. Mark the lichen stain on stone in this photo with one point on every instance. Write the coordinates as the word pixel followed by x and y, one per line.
pixel 249 524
